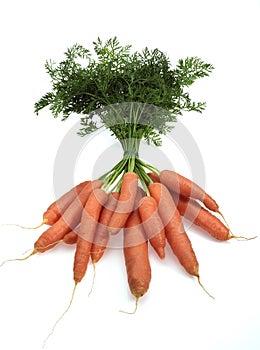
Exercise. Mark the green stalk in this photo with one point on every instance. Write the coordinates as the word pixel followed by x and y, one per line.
pixel 113 174
pixel 130 161
pixel 140 174
pixel 149 167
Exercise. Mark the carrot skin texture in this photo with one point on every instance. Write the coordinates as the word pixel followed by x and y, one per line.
pixel 136 256
pixel 57 208
pixel 68 221
pixel 81 258
pixel 152 223
pixel 86 232
pixel 70 238
pixel 201 217
pixel 180 184
pixel 101 234
pixel 174 230
pixel 125 203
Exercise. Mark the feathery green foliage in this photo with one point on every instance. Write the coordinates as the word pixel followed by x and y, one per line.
pixel 137 95
pixel 86 85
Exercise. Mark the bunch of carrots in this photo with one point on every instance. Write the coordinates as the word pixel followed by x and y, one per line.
pixel 136 96
pixel 88 217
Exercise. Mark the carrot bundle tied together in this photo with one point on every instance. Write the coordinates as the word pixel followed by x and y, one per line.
pixel 137 97
pixel 88 217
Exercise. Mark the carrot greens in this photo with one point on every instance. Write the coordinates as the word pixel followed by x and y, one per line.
pixel 136 95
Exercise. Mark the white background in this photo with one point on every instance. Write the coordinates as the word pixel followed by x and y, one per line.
pixel 175 313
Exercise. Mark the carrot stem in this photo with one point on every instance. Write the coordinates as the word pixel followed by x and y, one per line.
pixel 142 179
pixel 149 167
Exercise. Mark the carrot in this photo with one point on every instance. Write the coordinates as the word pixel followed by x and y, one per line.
pixel 201 217
pixel 174 230
pixel 180 184
pixel 152 223
pixel 136 256
pixel 86 232
pixel 57 208
pixel 83 237
pixel 70 238
pixel 154 177
pixel 68 221
pixel 101 234
pixel 125 203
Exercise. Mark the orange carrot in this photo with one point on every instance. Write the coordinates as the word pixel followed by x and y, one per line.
pixel 201 217
pixel 68 221
pixel 152 223
pixel 125 203
pixel 136 256
pixel 174 230
pixel 101 235
pixel 154 177
pixel 70 238
pixel 187 188
pixel 57 208
pixel 86 232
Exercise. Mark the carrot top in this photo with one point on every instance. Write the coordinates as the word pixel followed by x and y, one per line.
pixel 136 95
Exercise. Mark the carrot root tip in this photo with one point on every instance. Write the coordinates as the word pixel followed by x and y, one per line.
pixel 19 259
pixel 135 309
pixel 93 280
pixel 223 217
pixel 243 238
pixel 60 318
pixel 205 290
pixel 28 227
